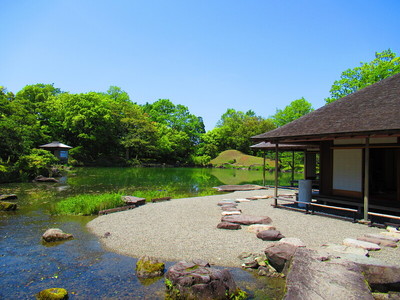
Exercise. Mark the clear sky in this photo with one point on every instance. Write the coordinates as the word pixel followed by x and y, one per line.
pixel 208 55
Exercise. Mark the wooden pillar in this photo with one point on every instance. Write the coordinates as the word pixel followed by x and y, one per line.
pixel 366 179
pixel 264 168
pixel 292 165
pixel 276 174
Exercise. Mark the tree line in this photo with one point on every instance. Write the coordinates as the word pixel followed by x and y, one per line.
pixel 108 128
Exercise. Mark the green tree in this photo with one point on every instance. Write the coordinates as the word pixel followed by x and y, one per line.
pixel 291 112
pixel 385 64
pixel 38 162
pixel 233 131
pixel 176 117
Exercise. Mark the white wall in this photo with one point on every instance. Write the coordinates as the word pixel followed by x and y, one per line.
pixel 347 169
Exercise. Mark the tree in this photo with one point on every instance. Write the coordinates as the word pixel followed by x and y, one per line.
pixel 385 64
pixel 233 131
pixel 293 111
pixel 176 117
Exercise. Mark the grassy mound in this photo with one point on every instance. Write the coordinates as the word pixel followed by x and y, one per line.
pixel 238 159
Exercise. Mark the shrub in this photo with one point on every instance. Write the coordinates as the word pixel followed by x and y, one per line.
pixel 38 162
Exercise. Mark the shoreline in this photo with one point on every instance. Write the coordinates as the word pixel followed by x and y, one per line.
pixel 186 229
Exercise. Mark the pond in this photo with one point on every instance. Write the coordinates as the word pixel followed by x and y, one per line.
pixel 81 265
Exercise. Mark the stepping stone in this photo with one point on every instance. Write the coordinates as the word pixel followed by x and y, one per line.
pixel 230 208
pixel 242 200
pixel 342 249
pixel 260 227
pixel 382 237
pixel 270 235
pixel 379 242
pixel 131 200
pixel 230 213
pixel 228 225
pixel 293 241
pixel 391 234
pixel 227 202
pixel 361 244
pixel 392 229
pixel 259 197
pixel 247 220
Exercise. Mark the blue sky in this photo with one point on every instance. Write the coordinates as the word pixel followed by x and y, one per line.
pixel 208 55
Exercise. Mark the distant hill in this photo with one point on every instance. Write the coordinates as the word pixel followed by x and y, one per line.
pixel 238 159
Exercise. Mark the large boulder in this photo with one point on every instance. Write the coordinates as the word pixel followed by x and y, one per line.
pixel 149 267
pixel 188 280
pixel 7 206
pixel 246 219
pixel 52 294
pixel 270 235
pixel 311 278
pixel 279 254
pixel 56 235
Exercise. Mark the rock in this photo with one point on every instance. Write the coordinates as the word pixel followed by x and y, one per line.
pixel 361 244
pixel 391 234
pixel 242 200
pixel 231 213
pixel 186 280
pixel 270 235
pixel 337 250
pixel 246 219
pixel 260 227
pixel 278 254
pixel 56 235
pixel 253 260
pixel 149 267
pixel 53 293
pixel 228 225
pixel 310 278
pixel 227 202
pixel 293 241
pixel 230 208
pixel 8 197
pixel 259 197
pixel 387 296
pixel 131 200
pixel 41 178
pixel 382 237
pixel 392 229
pixel 7 206
pixel 269 271
pixel 380 242
pixel 381 274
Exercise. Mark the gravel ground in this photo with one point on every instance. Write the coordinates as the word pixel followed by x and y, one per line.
pixel 185 229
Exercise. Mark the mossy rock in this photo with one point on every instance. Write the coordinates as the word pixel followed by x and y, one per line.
pixel 7 206
pixel 148 267
pixel 52 294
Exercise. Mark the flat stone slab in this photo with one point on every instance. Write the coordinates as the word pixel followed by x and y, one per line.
pixel 392 229
pixel 246 219
pixel 227 202
pixel 361 244
pixel 259 197
pixel 230 226
pixel 242 200
pixel 230 208
pixel 391 234
pixel 343 249
pixel 131 200
pixel 311 278
pixel 380 242
pixel 255 228
pixel 382 237
pixel 230 213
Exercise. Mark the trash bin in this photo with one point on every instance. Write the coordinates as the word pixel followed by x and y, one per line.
pixel 305 192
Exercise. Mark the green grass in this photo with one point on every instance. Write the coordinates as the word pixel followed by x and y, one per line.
pixel 238 159
pixel 91 204
pixel 87 204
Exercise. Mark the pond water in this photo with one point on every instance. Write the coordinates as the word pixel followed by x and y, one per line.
pixel 81 265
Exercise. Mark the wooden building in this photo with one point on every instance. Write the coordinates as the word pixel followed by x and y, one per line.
pixel 359 139
pixel 59 150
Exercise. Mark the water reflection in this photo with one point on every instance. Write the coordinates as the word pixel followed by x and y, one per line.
pixel 81 265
